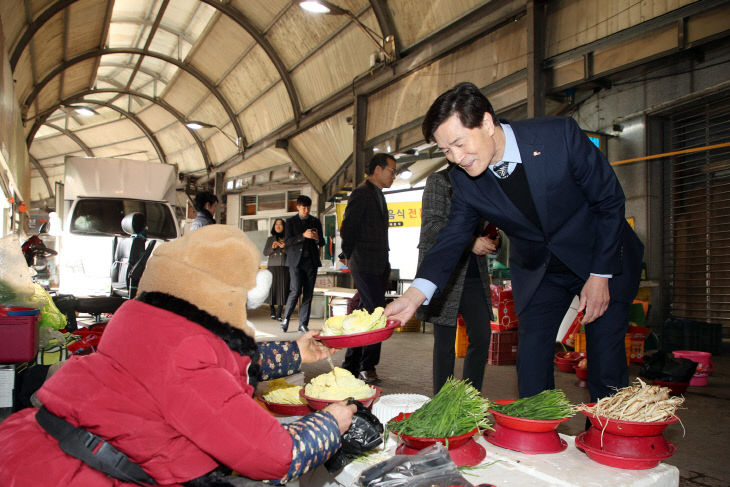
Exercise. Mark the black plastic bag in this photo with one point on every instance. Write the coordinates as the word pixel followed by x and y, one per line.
pixel 665 367
pixel 431 466
pixel 365 433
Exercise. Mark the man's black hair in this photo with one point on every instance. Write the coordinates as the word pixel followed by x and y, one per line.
pixel 204 197
pixel 304 200
pixel 465 100
pixel 380 159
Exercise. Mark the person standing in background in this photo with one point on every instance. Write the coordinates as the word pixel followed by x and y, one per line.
pixel 364 233
pixel 466 293
pixel 275 250
pixel 205 204
pixel 303 238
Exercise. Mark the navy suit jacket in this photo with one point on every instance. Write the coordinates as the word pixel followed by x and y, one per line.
pixel 579 202
pixel 295 241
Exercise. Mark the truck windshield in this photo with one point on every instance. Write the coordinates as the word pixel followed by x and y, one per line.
pixel 103 216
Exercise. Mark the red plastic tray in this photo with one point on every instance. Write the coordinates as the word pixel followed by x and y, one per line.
pixel 618 461
pixel 287 409
pixel 627 446
pixel 318 404
pixel 629 428
pixel 522 424
pixel 360 339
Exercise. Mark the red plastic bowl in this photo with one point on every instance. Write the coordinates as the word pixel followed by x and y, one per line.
pixel 619 461
pixel 628 428
pixel 318 404
pixel 360 339
pixel 628 446
pixel 582 374
pixel 524 441
pixel 419 443
pixel 287 409
pixel 675 388
pixel 522 424
pixel 574 357
pixel 565 366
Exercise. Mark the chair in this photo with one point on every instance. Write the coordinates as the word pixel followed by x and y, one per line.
pixel 128 252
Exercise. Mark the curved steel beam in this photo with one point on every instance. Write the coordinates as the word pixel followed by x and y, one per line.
pixel 386 23
pixel 140 125
pixel 100 52
pixel 157 101
pixel 241 20
pixel 87 150
pixel 43 174
pixel 33 28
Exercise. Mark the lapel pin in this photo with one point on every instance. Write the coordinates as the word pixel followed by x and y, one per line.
pixel 536 153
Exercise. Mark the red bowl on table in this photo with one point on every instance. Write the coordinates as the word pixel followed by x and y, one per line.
pixel 628 428
pixel 287 409
pixel 318 404
pixel 463 450
pixel 622 460
pixel 523 424
pixel 532 436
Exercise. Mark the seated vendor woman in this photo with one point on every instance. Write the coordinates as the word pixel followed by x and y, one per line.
pixel 168 397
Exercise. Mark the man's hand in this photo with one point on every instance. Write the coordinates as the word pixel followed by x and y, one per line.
pixel 485 245
pixel 403 308
pixel 312 350
pixel 345 262
pixel 594 298
pixel 310 233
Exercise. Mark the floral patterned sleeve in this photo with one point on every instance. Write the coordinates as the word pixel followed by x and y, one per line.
pixel 279 359
pixel 315 437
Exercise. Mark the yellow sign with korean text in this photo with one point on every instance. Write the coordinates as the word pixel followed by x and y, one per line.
pixel 406 214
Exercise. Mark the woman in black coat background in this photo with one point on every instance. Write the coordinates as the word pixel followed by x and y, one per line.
pixel 275 250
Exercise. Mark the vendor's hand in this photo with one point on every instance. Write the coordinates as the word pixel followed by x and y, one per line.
pixel 343 414
pixel 594 298
pixel 403 308
pixel 311 350
pixel 485 245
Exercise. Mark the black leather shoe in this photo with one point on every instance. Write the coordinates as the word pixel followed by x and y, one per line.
pixel 273 316
pixel 369 376
pixel 284 325
pixel 303 329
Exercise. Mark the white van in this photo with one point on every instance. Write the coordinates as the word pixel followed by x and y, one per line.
pixel 98 193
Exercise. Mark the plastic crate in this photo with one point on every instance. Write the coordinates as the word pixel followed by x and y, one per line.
pixel 18 338
pixel 681 334
pixel 579 340
pixel 503 348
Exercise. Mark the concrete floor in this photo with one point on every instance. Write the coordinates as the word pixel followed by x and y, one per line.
pixel 405 367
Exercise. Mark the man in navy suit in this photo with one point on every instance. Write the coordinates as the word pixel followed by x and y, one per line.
pixel 558 200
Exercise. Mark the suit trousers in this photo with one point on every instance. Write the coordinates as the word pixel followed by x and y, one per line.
pixel 301 281
pixel 371 288
pixel 475 310
pixel 538 326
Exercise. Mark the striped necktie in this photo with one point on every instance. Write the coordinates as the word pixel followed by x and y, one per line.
pixel 500 169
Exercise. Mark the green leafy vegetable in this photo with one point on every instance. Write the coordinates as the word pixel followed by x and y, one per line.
pixel 550 404
pixel 457 409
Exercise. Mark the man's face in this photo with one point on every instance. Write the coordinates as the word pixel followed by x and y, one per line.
pixel 211 207
pixel 383 177
pixel 303 210
pixel 472 149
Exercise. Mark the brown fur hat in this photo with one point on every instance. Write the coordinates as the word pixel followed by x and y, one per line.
pixel 212 268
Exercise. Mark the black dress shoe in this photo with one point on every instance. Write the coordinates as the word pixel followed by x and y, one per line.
pixel 303 329
pixel 284 325
pixel 273 316
pixel 369 376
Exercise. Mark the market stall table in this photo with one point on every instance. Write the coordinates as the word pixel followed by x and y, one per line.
pixel 502 468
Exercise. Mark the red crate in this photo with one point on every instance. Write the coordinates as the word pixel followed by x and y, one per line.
pixel 18 338
pixel 503 348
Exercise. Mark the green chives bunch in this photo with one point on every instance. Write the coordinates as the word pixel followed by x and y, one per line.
pixel 549 404
pixel 457 409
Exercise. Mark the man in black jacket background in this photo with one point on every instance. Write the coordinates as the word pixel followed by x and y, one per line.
pixel 364 235
pixel 303 238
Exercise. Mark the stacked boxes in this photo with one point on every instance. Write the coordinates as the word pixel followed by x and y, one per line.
pixel 503 348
